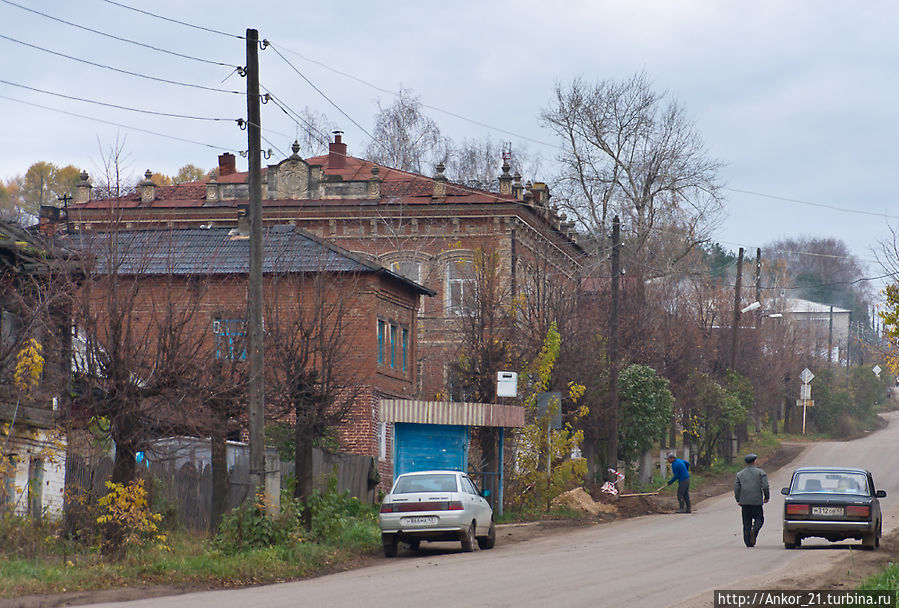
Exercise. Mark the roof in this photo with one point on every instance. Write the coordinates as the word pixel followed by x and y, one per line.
pixel 799 305
pixel 204 251
pixel 396 186
pixel 22 250
pixel 831 469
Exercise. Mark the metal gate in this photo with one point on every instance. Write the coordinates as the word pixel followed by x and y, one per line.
pixel 424 447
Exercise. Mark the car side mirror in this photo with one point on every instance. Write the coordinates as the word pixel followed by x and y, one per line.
pixel 881 494
pixel 785 491
pixel 485 493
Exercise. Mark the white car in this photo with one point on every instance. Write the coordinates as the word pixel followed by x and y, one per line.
pixel 435 506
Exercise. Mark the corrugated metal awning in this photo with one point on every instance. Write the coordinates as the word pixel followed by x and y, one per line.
pixel 451 412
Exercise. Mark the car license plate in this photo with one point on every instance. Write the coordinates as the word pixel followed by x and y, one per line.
pixel 419 521
pixel 827 511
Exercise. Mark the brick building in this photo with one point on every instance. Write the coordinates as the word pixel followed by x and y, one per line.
pixel 424 228
pixel 300 272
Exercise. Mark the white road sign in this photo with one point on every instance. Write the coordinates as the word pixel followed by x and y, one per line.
pixel 806 376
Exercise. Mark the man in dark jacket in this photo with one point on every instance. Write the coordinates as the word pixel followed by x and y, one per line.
pixel 680 470
pixel 751 492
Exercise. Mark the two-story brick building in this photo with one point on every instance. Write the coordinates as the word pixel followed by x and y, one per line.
pixel 424 228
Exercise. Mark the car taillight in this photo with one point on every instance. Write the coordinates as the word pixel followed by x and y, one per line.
pixel 386 508
pixel 797 509
pixel 454 505
pixel 857 511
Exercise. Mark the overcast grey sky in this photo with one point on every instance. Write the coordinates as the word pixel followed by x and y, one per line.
pixel 798 98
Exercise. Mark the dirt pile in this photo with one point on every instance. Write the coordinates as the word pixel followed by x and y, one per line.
pixel 578 500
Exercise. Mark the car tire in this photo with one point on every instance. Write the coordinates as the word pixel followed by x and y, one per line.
pixel 468 539
pixel 487 542
pixel 791 541
pixel 877 537
pixel 390 543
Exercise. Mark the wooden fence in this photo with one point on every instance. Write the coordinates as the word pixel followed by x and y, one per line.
pixel 181 486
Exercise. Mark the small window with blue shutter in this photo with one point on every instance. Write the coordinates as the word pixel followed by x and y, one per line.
pixel 230 339
pixel 381 329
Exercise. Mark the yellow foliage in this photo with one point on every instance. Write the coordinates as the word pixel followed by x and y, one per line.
pixel 128 518
pixel 29 366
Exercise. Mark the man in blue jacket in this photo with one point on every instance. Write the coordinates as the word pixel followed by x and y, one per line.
pixel 680 470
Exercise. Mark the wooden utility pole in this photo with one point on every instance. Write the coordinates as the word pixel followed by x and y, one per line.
pixel 735 330
pixel 738 286
pixel 254 284
pixel 758 284
pixel 612 454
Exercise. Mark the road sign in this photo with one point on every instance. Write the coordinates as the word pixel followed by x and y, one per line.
pixel 806 376
pixel 876 369
pixel 805 391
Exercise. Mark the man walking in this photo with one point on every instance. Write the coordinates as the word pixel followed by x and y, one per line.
pixel 680 470
pixel 751 492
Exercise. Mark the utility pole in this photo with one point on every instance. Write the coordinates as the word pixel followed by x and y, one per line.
pixel 738 286
pixel 254 283
pixel 729 448
pixel 612 454
pixel 830 336
pixel 758 284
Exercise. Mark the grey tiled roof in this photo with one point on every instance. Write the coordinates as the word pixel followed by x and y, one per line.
pixel 199 251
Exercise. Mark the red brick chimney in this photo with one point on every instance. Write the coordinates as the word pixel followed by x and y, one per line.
pixel 337 152
pixel 227 165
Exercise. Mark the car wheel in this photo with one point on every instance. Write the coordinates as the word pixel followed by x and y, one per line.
pixel 390 544
pixel 487 542
pixel 877 537
pixel 468 539
pixel 791 541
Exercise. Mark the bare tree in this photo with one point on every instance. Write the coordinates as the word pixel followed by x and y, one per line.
pixel 406 139
pixel 313 369
pixel 631 151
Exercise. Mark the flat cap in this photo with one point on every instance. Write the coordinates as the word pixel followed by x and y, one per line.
pixel 750 457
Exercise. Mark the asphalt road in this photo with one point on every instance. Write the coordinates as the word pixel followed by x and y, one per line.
pixel 652 561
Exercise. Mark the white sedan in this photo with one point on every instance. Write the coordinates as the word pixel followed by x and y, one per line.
pixel 435 506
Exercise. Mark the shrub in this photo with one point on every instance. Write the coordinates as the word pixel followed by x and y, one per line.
pixel 127 519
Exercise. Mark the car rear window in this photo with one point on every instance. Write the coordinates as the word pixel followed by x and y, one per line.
pixel 425 483
pixel 830 483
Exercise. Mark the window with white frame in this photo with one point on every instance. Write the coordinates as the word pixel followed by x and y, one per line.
pixel 460 284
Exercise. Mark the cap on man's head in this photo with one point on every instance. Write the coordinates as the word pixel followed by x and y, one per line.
pixel 750 457
pixel 670 455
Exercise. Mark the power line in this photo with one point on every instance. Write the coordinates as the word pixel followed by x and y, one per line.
pixel 121 71
pixel 328 99
pixel 114 37
pixel 116 124
pixel 812 204
pixel 424 105
pixel 112 105
pixel 170 20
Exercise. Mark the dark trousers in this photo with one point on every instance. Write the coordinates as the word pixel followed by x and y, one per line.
pixel 753 518
pixel 683 494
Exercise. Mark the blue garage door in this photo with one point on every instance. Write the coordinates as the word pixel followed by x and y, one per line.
pixel 423 447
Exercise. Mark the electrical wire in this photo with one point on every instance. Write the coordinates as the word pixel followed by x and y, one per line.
pixel 424 105
pixel 121 71
pixel 170 20
pixel 812 204
pixel 328 99
pixel 114 37
pixel 112 105
pixel 116 124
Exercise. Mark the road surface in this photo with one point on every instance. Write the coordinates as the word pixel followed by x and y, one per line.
pixel 652 561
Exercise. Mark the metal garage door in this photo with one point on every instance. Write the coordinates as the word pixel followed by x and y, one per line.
pixel 422 447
